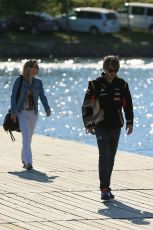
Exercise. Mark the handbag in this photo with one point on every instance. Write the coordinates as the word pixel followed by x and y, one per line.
pixel 91 110
pixel 8 123
pixel 10 126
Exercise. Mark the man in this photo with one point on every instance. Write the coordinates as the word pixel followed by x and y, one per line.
pixel 114 96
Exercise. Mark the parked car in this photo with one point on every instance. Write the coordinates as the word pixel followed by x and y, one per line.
pixel 89 19
pixel 3 25
pixel 33 22
pixel 136 15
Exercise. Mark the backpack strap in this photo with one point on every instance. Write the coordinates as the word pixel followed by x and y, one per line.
pixel 18 93
pixel 12 137
pixel 94 86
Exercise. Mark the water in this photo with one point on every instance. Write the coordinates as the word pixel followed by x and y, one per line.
pixel 65 83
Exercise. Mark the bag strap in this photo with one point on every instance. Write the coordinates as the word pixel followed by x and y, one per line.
pixel 93 85
pixel 12 137
pixel 18 93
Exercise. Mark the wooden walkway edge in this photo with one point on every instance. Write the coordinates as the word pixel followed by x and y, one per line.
pixel 62 192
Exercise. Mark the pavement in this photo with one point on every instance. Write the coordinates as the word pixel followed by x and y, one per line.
pixel 62 192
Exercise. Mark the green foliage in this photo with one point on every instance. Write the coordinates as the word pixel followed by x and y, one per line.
pixel 62 6
pixel 17 6
pixel 55 7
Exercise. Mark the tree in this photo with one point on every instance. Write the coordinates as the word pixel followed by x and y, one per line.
pixel 65 5
pixel 17 6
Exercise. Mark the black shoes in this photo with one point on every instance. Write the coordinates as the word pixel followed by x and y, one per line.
pixel 24 165
pixel 28 166
pixel 106 194
pixel 111 195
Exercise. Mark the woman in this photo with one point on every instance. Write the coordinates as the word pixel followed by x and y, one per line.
pixel 114 95
pixel 26 107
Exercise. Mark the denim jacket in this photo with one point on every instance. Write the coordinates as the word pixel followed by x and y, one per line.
pixel 37 90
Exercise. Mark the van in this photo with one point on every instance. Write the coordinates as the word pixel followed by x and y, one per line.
pixel 136 15
pixel 89 19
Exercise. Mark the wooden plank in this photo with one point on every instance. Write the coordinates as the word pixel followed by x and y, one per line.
pixel 62 193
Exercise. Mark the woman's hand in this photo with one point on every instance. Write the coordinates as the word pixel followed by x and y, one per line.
pixel 48 113
pixel 13 117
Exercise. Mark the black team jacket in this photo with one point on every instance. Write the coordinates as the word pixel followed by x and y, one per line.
pixel 114 98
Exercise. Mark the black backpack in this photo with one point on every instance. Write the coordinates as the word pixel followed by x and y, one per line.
pixel 8 124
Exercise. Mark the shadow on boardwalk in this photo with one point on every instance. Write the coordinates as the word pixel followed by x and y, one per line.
pixel 34 175
pixel 117 210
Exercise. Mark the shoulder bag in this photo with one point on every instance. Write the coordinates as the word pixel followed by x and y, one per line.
pixel 8 123
pixel 96 114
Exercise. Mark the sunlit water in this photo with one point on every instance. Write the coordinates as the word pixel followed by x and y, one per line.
pixel 65 84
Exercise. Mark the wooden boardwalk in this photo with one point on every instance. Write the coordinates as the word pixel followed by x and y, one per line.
pixel 62 192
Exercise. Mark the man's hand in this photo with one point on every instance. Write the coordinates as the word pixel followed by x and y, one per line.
pixel 129 129
pixel 90 130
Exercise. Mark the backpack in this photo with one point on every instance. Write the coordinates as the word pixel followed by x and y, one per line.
pixel 10 126
pixel 8 123
pixel 92 112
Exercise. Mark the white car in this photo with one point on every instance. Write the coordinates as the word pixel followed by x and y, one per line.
pixel 89 19
pixel 136 15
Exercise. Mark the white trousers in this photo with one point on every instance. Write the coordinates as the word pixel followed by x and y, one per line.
pixel 27 122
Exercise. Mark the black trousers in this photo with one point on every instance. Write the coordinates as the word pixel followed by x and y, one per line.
pixel 107 140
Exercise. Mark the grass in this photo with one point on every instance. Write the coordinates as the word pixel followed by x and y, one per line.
pixel 135 36
pixel 132 42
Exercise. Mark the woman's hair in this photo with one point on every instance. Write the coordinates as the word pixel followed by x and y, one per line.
pixel 26 68
pixel 111 61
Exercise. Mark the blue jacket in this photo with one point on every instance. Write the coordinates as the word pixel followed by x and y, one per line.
pixel 38 92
